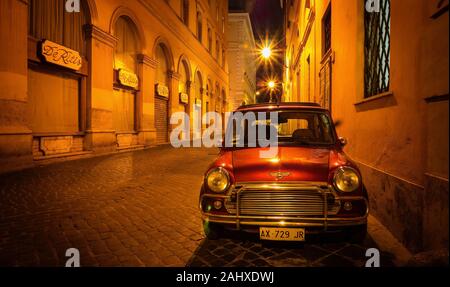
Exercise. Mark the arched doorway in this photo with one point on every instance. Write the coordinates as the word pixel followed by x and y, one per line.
pixel 184 88
pixel 162 94
pixel 124 95
pixel 57 91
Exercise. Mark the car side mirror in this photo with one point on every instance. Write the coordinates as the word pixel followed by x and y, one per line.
pixel 337 123
pixel 343 141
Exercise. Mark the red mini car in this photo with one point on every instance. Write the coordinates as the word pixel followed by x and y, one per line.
pixel 308 186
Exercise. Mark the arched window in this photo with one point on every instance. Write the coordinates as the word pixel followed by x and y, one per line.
pixel 184 78
pixel 199 27
pixel 163 66
pixel 198 85
pixel 162 93
pixel 49 20
pixel 125 54
pixel 125 58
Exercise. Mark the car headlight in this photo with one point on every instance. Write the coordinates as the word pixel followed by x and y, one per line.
pixel 218 180
pixel 346 179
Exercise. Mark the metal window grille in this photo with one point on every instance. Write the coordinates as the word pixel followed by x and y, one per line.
pixel 326 30
pixel 377 50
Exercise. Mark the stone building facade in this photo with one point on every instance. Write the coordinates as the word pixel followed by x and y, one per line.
pixel 242 59
pixel 105 78
pixel 384 74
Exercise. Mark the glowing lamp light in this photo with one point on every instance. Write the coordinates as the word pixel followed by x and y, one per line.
pixel 266 52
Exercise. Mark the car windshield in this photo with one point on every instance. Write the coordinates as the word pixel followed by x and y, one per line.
pixel 291 127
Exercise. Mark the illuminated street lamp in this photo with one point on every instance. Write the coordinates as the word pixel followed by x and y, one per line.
pixel 266 53
pixel 271 85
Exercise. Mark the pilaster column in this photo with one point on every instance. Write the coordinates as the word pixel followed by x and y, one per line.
pixel 146 108
pixel 100 131
pixel 15 135
pixel 174 102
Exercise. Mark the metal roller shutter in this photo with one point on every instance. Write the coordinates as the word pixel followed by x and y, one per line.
pixel 161 120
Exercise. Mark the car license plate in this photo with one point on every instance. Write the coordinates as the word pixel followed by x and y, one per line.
pixel 282 234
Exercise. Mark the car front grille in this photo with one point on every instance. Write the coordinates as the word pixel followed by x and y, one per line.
pixel 291 202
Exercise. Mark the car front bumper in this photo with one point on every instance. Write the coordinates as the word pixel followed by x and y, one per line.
pixel 322 222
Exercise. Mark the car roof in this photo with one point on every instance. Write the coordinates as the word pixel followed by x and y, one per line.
pixel 285 105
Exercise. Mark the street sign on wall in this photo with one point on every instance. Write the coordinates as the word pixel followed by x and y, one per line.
pixel 184 98
pixel 128 79
pixel 60 55
pixel 162 90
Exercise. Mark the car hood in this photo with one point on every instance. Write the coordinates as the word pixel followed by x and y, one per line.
pixel 289 164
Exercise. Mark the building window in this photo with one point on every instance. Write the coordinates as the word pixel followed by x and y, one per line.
pixel 185 12
pixel 217 99
pixel 223 24
pixel 199 27
pixel 209 40
pixel 223 58
pixel 217 50
pixel 209 88
pixel 217 14
pixel 48 20
pixel 326 31
pixel 377 50
pixel 125 54
pixel 184 78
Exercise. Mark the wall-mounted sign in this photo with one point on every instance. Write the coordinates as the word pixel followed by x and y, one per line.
pixel 128 79
pixel 184 98
pixel 162 90
pixel 60 55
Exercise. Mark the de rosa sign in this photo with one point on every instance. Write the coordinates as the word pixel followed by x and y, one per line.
pixel 59 55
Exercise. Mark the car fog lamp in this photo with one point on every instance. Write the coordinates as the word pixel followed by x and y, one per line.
pixel 346 179
pixel 348 206
pixel 217 204
pixel 218 180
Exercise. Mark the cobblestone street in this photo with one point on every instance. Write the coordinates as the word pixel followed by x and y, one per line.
pixel 245 250
pixel 135 209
